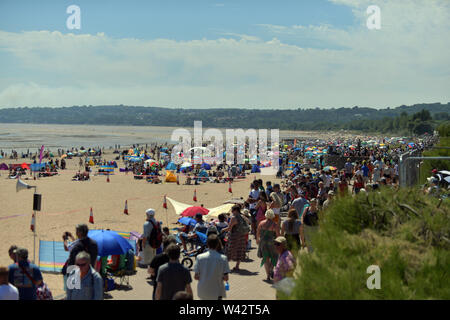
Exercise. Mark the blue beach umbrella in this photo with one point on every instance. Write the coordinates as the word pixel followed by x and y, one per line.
pixel 187 221
pixel 109 242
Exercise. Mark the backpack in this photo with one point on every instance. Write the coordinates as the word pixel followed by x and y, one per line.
pixel 156 236
pixel 242 226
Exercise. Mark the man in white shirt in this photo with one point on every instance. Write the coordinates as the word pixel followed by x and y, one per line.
pixel 7 290
pixel 211 270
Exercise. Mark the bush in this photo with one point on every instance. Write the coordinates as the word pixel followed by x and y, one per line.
pixel 403 232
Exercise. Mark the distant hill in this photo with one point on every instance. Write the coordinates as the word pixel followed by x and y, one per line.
pixel 297 119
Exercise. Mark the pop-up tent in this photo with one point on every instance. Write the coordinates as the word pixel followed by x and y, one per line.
pixel 255 168
pixel 206 166
pixel 37 166
pixel 4 166
pixel 171 177
pixel 171 166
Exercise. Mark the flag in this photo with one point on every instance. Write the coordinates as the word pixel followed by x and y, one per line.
pixel 126 207
pixel 195 195
pixel 178 180
pixel 107 178
pixel 229 187
pixel 165 203
pixel 41 154
pixel 33 222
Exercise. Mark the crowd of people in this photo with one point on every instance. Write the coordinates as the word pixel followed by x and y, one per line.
pixel 280 217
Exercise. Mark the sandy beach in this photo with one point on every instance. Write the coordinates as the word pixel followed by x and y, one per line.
pixel 65 203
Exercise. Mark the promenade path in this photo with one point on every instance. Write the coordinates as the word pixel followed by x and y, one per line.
pixel 249 283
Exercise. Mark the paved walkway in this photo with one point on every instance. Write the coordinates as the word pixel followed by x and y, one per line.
pixel 247 284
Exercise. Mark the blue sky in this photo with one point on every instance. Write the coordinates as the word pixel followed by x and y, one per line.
pixel 173 19
pixel 224 53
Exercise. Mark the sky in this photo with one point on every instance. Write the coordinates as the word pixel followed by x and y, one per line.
pixel 224 53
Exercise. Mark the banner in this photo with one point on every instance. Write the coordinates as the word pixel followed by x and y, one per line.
pixel 41 154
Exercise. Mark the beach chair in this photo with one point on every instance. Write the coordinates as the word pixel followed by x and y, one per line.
pixel 121 273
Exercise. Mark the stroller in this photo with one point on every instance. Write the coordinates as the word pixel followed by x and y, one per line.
pixel 199 248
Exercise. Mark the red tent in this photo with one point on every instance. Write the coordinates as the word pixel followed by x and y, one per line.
pixel 25 166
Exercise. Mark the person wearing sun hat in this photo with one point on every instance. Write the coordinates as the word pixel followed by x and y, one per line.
pixel 150 223
pixel 286 261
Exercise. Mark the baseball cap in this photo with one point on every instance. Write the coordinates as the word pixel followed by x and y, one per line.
pixel 331 192
pixel 150 212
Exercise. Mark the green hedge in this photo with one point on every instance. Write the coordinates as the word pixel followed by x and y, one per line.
pixel 403 232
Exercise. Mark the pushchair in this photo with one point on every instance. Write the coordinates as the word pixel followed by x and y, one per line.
pixel 199 248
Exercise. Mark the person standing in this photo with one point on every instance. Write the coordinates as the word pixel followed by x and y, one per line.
pixel 252 200
pixel 84 243
pixel 277 202
pixel 150 223
pixel 211 270
pixel 159 260
pixel 172 276
pixel 268 230
pixel 292 230
pixel 7 290
pixel 91 282
pixel 25 276
pixel 286 262
pixel 238 233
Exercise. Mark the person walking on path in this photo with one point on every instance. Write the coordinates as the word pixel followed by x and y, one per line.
pixel 91 282
pixel 172 276
pixel 7 290
pixel 286 261
pixel 25 276
pixel 238 230
pixel 150 223
pixel 211 270
pixel 267 231
pixel 292 230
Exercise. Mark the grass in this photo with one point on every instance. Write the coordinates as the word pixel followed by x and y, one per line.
pixel 403 232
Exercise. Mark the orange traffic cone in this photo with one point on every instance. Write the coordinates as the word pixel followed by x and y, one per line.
pixel 165 203
pixel 33 222
pixel 107 178
pixel 229 187
pixel 195 195
pixel 91 217
pixel 126 207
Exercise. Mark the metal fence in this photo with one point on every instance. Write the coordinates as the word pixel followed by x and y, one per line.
pixel 409 170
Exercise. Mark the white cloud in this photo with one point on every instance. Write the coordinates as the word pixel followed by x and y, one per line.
pixel 405 62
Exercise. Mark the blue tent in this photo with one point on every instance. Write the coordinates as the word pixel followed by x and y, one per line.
pixel 203 173
pixel 171 166
pixel 206 166
pixel 255 168
pixel 37 166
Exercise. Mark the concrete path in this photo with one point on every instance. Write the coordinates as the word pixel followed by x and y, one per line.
pixel 247 284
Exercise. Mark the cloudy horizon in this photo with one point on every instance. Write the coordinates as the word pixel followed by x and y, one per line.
pixel 225 54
